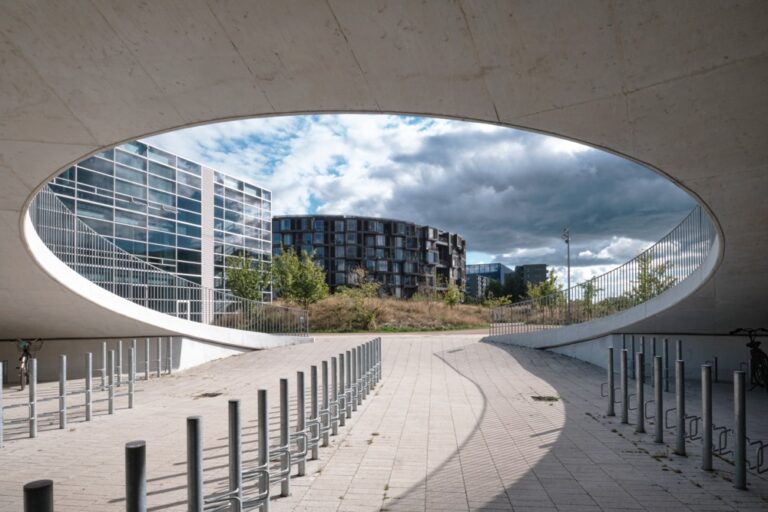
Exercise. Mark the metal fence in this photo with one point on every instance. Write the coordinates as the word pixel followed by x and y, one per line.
pixel 353 376
pixel 660 267
pixel 100 261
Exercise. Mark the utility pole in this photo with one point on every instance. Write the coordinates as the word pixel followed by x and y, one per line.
pixel 567 239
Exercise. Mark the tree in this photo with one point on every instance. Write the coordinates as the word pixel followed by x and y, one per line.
pixel 590 291
pixel 652 279
pixel 246 278
pixel 452 295
pixel 299 280
pixel 548 288
pixel 361 292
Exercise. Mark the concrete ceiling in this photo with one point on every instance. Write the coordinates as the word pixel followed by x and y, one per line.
pixel 681 86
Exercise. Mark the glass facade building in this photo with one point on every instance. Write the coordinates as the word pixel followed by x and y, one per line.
pixel 402 256
pixel 175 214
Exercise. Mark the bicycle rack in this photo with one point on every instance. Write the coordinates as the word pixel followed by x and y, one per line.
pixel 645 410
pixel 722 441
pixel 604 393
pixel 759 456
pixel 629 402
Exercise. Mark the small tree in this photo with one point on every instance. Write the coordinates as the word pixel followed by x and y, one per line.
pixel 361 291
pixel 452 295
pixel 549 288
pixel 246 278
pixel 299 280
pixel 590 291
pixel 652 279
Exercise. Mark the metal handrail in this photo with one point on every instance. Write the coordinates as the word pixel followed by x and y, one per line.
pixel 658 268
pixel 102 262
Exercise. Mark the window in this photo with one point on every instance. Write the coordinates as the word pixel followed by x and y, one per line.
pixel 351 238
pixel 95 179
pixel 338 238
pixel 188 166
pixel 370 265
pixel 99 226
pixel 340 278
pixel 94 211
pixel 339 225
pixel 162 170
pixel 159 183
pixel 129 174
pixel 351 225
pixel 381 265
pixel 306 238
pixel 189 243
pixel 97 164
pixel 192 193
pixel 188 268
pixel 277 238
pixel 161 156
pixel 351 251
pixel 319 252
pixel 399 255
pixel 188 204
pixel 186 229
pixel 285 224
pixel 134 147
pixel 319 225
pixel 162 198
pixel 188 179
pixel 380 240
pixel 341 265
pixel 186 255
pixel 130 218
pixel 319 238
pixel 159 237
pixel 287 239
pixel 192 218
pixel 131 160
pixel 339 251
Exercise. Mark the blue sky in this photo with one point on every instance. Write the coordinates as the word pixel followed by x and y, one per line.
pixel 508 192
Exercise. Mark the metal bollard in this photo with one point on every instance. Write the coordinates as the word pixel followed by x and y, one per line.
pixel 103 364
pixel 659 399
pixel 706 417
pixel 1 406
pixel 611 393
pixel 680 390
pixel 335 396
pixel 195 500
pixel 325 419
pixel 62 391
pixel 169 356
pixel 717 370
pixel 353 381
pixel 740 422
pixel 666 365
pixel 131 376
pixel 38 496
pixel 88 386
pixel 371 376
pixel 634 351
pixel 235 455
pixel 285 485
pixel 642 351
pixel 640 386
pixel 679 349
pixel 263 427
pixel 136 476
pixel 301 415
pixel 111 383
pixel 359 378
pixel 33 397
pixel 119 363
pixel 342 391
pixel 313 406
pixel 159 356
pixel 624 387
pixel 146 358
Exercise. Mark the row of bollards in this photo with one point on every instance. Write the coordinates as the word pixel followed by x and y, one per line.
pixel 686 427
pixel 354 374
pixel 111 372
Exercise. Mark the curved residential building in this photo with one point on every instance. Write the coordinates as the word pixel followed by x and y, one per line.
pixel 404 257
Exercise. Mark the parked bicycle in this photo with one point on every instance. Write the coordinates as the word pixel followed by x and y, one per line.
pixel 757 358
pixel 26 347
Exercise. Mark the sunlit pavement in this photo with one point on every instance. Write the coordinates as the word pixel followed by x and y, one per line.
pixel 452 425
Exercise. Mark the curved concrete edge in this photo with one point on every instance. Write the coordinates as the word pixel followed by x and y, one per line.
pixel 143 319
pixel 630 320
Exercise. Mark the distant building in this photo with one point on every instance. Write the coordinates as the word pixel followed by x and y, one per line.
pixel 533 274
pixel 477 286
pixel 496 271
pixel 402 256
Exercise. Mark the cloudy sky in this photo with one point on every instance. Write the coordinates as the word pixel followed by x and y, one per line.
pixel 509 192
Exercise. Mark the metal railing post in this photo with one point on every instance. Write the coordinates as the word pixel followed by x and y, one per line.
pixel 359 376
pixel 666 365
pixel 131 376
pixel 285 485
pixel 679 349
pixel 111 383
pixel 706 417
pixel 680 391
pixel 62 391
pixel 119 363
pixel 195 501
pixel 263 427
pixel 640 387
pixel 146 358
pixel 658 392
pixel 624 387
pixel 634 351
pixel 353 382
pixel 352 401
pixel 159 356
pixel 740 422
pixel 33 397
pixel 342 391
pixel 301 416
pixel 135 476
pixel 38 496
pixel 611 393
pixel 716 369
pixel 313 409
pixel 88 386
pixel 335 396
pixel 325 419
pixel 103 364
pixel 235 454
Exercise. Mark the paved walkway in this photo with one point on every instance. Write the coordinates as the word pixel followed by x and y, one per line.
pixel 453 425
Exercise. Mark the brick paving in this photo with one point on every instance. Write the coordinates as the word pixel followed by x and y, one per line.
pixel 451 426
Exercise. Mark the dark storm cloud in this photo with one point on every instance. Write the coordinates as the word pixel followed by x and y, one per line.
pixel 510 190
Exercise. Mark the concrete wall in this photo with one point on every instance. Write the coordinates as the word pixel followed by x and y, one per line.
pixel 187 353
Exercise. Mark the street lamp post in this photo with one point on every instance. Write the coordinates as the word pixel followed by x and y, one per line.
pixel 567 239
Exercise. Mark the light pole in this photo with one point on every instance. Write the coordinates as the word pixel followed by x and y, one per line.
pixel 567 239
